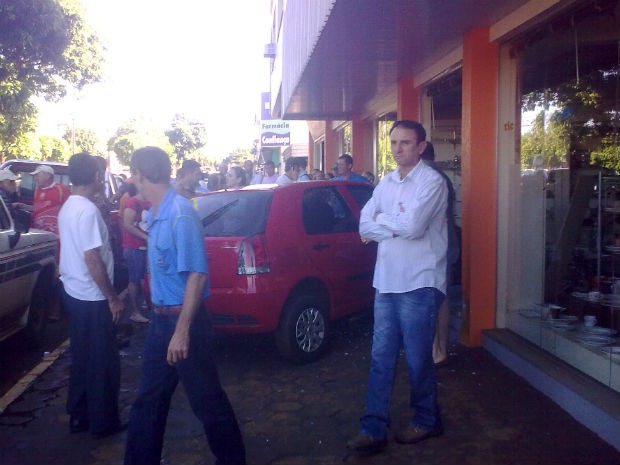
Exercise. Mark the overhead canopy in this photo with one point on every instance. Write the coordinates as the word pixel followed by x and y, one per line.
pixel 366 46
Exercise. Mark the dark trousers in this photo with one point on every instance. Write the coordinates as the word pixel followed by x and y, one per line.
pixel 198 373
pixel 94 383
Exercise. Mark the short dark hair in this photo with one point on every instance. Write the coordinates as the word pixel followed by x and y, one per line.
pixel 347 158
pixel 413 125
pixel 428 153
pixel 291 163
pixel 269 162
pixel 83 168
pixel 191 165
pixel 188 166
pixel 153 163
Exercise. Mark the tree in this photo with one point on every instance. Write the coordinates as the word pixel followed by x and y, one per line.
pixel 134 134
pixel 385 162
pixel 54 149
pixel 82 140
pixel 186 136
pixel 585 116
pixel 45 48
pixel 548 138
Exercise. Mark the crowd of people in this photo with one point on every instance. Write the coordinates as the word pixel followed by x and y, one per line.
pixel 410 215
pixel 191 180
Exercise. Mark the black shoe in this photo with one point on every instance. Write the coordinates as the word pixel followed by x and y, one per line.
pixel 366 444
pixel 111 431
pixel 77 425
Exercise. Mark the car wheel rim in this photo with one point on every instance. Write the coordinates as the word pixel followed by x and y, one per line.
pixel 310 330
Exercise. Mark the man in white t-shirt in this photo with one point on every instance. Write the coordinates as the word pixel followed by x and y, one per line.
pixel 86 271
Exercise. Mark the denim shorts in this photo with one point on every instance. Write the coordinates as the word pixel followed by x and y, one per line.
pixel 135 259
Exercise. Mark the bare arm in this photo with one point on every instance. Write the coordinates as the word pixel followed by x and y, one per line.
pixel 23 206
pixel 129 223
pixel 97 270
pixel 178 348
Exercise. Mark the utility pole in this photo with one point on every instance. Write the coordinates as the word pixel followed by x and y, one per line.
pixel 72 136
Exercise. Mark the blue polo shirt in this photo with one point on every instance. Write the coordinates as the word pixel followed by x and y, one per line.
pixel 175 248
pixel 353 177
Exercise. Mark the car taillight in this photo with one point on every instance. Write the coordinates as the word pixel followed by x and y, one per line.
pixel 252 258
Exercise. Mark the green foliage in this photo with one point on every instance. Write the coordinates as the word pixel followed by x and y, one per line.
pixel 551 140
pixel 45 48
pixel 347 142
pixel 53 149
pixel 186 136
pixel 82 140
pixel 385 161
pixel 583 123
pixel 134 134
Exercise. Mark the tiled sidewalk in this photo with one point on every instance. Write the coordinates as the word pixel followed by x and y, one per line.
pixel 302 414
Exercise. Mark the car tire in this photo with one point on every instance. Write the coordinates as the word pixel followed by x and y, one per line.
pixel 303 333
pixel 37 314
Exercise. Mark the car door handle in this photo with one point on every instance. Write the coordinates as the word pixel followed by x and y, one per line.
pixel 320 246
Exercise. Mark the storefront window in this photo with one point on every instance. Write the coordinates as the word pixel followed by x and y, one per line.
pixel 568 246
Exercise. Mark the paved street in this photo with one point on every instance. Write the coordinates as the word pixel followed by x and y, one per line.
pixel 304 414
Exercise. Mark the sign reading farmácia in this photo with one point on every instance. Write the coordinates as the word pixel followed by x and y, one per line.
pixel 275 133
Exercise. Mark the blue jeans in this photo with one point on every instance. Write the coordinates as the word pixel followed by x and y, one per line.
pixel 198 372
pixel 403 320
pixel 95 379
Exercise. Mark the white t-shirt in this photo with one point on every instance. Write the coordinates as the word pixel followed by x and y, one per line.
pixel 81 228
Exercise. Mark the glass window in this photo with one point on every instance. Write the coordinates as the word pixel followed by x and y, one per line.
pixel 234 214
pixel 325 212
pixel 5 221
pixel 361 194
pixel 566 244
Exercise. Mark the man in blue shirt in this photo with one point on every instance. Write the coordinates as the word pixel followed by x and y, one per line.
pixel 177 343
pixel 345 165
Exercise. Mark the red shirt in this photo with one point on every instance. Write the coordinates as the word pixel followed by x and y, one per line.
pixel 129 240
pixel 47 203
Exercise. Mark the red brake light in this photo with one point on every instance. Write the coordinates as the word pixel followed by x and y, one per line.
pixel 252 258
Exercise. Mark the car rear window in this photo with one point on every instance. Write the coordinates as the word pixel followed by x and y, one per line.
pixel 234 214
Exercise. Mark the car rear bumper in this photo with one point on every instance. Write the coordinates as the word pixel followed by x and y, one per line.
pixel 237 312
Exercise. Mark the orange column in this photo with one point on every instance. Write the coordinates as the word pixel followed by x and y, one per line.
pixel 331 147
pixel 479 182
pixel 357 145
pixel 408 105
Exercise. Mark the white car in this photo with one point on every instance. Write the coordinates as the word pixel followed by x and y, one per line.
pixel 27 277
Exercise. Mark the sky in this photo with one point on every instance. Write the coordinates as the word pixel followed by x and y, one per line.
pixel 202 58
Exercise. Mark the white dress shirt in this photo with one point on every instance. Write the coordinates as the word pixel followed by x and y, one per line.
pixel 411 230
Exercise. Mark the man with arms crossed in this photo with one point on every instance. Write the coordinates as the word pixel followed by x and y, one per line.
pixel 177 342
pixel 86 271
pixel 406 215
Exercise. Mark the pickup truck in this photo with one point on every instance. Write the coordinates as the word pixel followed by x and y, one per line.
pixel 27 277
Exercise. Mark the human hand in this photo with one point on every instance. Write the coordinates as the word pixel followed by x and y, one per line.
pixel 178 349
pixel 116 308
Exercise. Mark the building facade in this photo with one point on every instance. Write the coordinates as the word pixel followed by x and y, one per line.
pixel 522 102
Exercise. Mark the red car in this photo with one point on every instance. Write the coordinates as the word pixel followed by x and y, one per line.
pixel 287 259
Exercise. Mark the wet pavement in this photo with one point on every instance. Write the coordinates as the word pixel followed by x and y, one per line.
pixel 302 414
